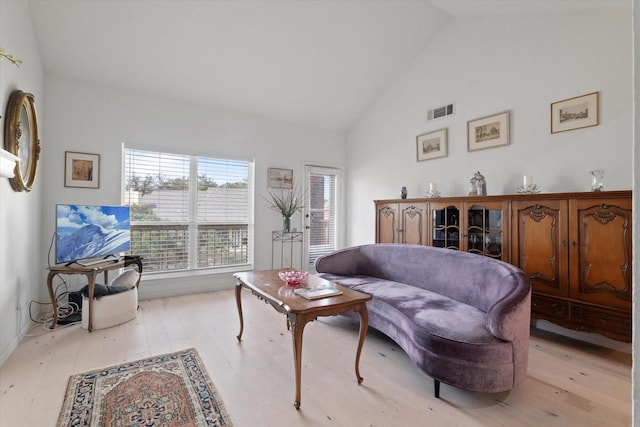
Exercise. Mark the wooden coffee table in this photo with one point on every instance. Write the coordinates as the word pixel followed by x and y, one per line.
pixel 267 286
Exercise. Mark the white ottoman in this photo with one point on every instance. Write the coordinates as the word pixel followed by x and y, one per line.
pixel 114 309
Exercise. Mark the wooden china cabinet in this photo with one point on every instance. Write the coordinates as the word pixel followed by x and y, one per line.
pixel 575 247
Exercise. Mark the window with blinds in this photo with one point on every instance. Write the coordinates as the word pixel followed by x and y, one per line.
pixel 188 212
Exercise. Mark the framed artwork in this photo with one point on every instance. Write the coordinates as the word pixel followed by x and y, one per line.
pixel 488 132
pixel 81 170
pixel 280 178
pixel 574 113
pixel 432 145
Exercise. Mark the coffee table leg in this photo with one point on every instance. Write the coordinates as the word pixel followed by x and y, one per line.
pixel 239 304
pixel 297 328
pixel 364 324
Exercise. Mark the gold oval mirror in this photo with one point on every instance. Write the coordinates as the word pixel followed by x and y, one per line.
pixel 21 139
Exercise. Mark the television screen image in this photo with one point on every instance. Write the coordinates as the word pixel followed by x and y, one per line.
pixel 84 232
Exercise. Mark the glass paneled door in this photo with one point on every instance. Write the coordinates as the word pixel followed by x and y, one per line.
pixel 321 211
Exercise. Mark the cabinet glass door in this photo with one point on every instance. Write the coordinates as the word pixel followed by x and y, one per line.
pixel 445 227
pixel 484 231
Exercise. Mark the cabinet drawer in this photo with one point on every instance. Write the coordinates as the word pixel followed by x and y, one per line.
pixel 549 308
pixel 611 323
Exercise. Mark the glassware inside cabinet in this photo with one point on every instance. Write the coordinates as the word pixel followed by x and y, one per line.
pixel 484 231
pixel 446 229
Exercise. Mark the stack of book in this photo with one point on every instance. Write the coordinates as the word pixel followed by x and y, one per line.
pixel 315 293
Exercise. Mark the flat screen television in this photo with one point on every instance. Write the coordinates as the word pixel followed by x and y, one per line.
pixel 86 232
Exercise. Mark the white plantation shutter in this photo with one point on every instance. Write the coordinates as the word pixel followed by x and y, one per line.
pixel 321 212
pixel 187 212
pixel 223 203
pixel 222 212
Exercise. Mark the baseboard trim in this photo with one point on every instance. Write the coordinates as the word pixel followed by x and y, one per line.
pixel 587 337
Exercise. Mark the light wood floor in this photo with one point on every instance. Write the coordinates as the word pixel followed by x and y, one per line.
pixel 569 383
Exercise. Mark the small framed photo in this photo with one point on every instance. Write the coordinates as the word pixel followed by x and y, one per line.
pixel 81 170
pixel 574 113
pixel 432 145
pixel 280 178
pixel 488 132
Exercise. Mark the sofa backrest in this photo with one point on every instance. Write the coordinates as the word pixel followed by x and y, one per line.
pixel 472 279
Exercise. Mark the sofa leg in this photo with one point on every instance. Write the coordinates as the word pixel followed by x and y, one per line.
pixel 436 388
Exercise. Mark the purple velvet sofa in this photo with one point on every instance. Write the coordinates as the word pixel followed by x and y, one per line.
pixel 463 319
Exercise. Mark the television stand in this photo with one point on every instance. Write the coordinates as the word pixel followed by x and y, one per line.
pixel 91 271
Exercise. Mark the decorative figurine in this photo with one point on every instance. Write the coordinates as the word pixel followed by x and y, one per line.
pixel 478 185
pixel 403 192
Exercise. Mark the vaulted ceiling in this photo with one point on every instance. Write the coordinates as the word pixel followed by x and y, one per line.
pixel 320 63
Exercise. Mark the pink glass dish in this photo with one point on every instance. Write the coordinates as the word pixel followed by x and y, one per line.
pixel 293 277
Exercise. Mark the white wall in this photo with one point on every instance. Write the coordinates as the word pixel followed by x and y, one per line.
pixel 20 267
pixel 486 65
pixel 93 119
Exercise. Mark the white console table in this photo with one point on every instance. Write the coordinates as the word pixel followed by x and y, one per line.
pixel 286 243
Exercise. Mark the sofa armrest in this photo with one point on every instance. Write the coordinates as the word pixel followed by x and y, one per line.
pixel 509 316
pixel 343 262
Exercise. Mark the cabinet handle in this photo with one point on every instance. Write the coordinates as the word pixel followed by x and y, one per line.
pixel 604 319
pixel 574 244
pixel 564 243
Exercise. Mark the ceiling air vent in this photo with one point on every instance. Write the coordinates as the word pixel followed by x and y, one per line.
pixel 439 112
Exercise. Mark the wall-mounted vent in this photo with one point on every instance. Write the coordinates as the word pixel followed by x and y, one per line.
pixel 439 112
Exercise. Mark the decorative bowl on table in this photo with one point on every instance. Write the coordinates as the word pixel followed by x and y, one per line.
pixel 293 277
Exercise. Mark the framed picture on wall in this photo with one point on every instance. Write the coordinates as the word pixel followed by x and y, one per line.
pixel 574 113
pixel 81 170
pixel 432 145
pixel 280 178
pixel 488 132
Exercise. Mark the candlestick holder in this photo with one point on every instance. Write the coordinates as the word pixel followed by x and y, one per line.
pixel 528 189
pixel 433 194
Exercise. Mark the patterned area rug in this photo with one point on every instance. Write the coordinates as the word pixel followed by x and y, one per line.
pixel 168 390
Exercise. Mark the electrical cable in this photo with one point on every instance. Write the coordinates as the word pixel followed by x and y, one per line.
pixel 53 237
pixel 64 307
